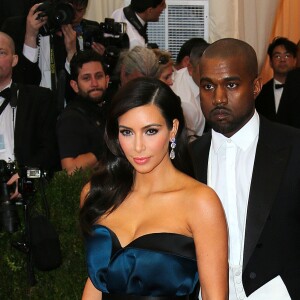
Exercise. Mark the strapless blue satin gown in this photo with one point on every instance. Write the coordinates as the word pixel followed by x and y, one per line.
pixel 153 266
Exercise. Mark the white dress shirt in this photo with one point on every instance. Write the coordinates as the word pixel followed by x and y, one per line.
pixel 7 125
pixel 277 94
pixel 42 55
pixel 134 37
pixel 188 91
pixel 230 167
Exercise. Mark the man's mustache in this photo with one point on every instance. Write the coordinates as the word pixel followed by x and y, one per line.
pixel 97 89
pixel 220 107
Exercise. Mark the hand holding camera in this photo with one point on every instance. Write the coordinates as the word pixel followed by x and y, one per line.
pixel 33 25
pixel 13 181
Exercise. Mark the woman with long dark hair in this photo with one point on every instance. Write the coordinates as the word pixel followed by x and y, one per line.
pixel 151 230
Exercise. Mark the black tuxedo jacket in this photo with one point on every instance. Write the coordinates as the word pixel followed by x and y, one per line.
pixel 35 135
pixel 272 234
pixel 265 101
pixel 289 113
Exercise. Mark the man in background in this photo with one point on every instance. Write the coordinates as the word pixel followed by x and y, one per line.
pixel 282 54
pixel 183 56
pixel 136 16
pixel 27 119
pixel 186 86
pixel 80 127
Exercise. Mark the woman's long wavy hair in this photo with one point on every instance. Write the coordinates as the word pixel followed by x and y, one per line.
pixel 114 181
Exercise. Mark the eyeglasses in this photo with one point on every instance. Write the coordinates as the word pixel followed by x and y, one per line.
pixel 279 56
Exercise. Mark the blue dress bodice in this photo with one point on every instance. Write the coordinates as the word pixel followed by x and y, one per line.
pixel 157 264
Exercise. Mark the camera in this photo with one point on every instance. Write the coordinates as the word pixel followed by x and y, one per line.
pixel 58 13
pixel 9 219
pixel 108 33
pixel 112 35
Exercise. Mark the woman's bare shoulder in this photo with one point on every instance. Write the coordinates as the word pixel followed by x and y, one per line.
pixel 200 196
pixel 84 192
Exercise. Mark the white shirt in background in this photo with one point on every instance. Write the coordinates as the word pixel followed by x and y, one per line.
pixel 134 37
pixel 7 125
pixel 188 91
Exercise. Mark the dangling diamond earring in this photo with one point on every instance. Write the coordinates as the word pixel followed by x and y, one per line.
pixel 173 145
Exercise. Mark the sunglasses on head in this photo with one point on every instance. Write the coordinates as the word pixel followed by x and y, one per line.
pixel 163 59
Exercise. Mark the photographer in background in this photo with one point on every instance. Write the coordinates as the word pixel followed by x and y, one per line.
pixel 80 127
pixel 46 41
pixel 136 16
pixel 27 118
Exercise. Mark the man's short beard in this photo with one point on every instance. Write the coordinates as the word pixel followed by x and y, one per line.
pixel 92 99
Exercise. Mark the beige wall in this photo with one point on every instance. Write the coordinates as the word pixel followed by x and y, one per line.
pixel 100 9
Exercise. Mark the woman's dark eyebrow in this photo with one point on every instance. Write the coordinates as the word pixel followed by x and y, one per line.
pixel 145 127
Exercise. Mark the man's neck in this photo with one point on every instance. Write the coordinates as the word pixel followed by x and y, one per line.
pixel 4 84
pixel 142 17
pixel 280 77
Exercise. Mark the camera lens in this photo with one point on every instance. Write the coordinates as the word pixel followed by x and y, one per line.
pixel 64 14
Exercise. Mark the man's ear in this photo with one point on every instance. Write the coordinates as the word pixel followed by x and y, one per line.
pixel 15 60
pixel 185 61
pixel 74 86
pixel 190 68
pixel 257 86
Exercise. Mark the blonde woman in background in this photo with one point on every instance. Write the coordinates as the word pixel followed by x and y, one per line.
pixel 166 68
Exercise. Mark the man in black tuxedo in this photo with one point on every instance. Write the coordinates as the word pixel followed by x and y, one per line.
pixel 36 36
pixel 290 106
pixel 28 118
pixel 283 56
pixel 253 165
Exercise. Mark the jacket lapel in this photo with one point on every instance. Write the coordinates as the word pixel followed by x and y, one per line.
pixel 270 161
pixel 200 152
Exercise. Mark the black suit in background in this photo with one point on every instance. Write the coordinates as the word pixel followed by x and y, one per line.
pixel 35 135
pixel 289 111
pixel 272 233
pixel 265 101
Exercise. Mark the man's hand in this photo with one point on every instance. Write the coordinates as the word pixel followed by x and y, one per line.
pixel 33 25
pixel 99 48
pixel 12 180
pixel 70 38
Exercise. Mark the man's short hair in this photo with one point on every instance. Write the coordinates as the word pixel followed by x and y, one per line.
pixel 186 48
pixel 290 46
pixel 141 5
pixel 83 57
pixel 196 53
pixel 11 42
pixel 80 3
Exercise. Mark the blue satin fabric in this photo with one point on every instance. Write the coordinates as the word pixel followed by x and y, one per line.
pixel 157 264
